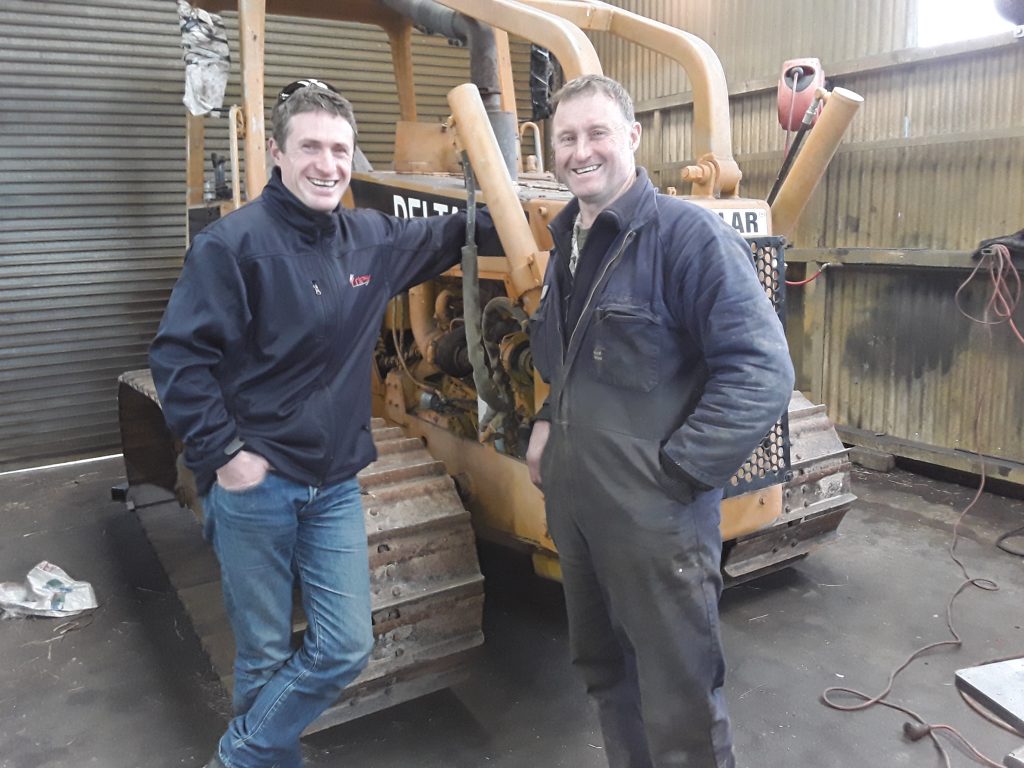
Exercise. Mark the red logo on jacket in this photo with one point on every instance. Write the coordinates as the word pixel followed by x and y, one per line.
pixel 357 281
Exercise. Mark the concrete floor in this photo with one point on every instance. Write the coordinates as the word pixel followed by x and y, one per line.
pixel 133 688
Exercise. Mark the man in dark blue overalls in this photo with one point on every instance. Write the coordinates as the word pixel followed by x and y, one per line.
pixel 667 366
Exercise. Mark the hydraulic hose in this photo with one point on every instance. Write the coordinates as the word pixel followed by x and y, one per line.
pixel 485 388
pixel 794 148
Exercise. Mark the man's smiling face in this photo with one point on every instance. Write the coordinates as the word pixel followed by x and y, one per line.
pixel 594 146
pixel 316 159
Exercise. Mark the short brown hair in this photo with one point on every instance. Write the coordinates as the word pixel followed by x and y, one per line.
pixel 588 84
pixel 309 98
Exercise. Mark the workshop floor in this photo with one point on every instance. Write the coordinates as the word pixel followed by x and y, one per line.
pixel 132 688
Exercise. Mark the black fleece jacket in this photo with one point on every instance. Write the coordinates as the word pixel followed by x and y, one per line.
pixel 268 337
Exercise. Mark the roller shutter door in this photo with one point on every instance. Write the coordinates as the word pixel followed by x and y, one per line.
pixel 91 184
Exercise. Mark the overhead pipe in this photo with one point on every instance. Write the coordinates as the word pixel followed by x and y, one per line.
pixel 435 18
pixel 565 40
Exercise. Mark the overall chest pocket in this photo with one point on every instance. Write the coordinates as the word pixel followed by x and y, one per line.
pixel 627 345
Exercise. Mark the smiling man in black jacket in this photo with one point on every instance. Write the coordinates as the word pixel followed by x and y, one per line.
pixel 262 362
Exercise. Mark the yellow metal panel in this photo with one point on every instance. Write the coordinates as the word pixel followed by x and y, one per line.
pixel 750 512
pixel 503 500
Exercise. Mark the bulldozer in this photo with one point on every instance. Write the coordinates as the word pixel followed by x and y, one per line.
pixel 454 385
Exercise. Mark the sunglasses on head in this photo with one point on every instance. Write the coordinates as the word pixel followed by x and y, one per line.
pixel 291 88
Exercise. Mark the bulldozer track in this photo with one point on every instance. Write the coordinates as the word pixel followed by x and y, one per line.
pixel 425 581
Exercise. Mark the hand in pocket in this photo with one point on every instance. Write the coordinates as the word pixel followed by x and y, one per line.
pixel 245 470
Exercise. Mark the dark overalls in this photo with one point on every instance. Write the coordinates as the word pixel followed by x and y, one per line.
pixel 662 347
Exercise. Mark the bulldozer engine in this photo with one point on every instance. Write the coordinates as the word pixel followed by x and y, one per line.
pixel 455 390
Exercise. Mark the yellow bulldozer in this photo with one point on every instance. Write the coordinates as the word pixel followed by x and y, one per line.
pixel 455 389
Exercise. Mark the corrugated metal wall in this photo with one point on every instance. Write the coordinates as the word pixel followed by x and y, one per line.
pixel 754 37
pixel 905 362
pixel 92 191
pixel 935 161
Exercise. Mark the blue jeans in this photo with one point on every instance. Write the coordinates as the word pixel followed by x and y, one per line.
pixel 265 537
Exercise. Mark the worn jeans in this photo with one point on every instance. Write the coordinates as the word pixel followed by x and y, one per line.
pixel 265 537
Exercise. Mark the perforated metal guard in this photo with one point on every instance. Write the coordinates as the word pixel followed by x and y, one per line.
pixel 768 257
pixel 769 463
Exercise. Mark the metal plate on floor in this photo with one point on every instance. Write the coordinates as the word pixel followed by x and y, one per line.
pixel 999 687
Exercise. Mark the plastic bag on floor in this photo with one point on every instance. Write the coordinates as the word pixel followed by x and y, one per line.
pixel 46 591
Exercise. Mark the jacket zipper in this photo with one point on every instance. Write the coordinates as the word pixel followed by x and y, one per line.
pixel 597 284
pixel 326 336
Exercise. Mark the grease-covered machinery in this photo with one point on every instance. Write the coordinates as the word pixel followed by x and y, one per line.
pixel 455 389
